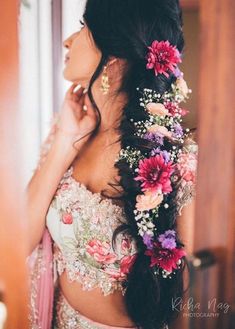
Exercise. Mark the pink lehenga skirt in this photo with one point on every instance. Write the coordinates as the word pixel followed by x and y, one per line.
pixel 66 317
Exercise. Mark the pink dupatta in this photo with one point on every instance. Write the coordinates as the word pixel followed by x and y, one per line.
pixel 40 263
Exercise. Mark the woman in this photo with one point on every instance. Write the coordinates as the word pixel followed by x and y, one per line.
pixel 109 188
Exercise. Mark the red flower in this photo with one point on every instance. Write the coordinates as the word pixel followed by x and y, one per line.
pixel 173 109
pixel 165 258
pixel 155 174
pixel 162 57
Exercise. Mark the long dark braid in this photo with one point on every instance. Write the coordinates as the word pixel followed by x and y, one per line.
pixel 124 29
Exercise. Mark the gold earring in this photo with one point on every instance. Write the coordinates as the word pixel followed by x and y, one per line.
pixel 105 82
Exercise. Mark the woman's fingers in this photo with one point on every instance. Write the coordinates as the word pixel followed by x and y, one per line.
pixel 74 90
pixel 71 88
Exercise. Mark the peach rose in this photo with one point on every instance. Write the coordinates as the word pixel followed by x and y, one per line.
pixel 148 200
pixel 101 251
pixel 160 129
pixel 157 108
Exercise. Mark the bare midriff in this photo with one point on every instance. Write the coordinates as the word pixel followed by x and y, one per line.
pixel 108 310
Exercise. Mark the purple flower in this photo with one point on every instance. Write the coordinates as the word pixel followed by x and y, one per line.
pixel 177 72
pixel 164 153
pixel 167 239
pixel 178 131
pixel 148 240
pixel 155 151
pixel 154 137
pixel 168 243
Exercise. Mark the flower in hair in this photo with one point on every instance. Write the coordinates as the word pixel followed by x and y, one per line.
pixel 167 165
pixel 157 109
pixel 154 137
pixel 148 200
pixel 164 153
pixel 167 239
pixel 162 57
pixel 161 130
pixel 154 173
pixel 166 258
pixel 148 240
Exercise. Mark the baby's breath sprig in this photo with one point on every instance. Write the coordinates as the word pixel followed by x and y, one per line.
pixel 145 222
pixel 131 155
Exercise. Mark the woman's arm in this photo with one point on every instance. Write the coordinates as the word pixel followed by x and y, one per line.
pixel 44 182
pixel 73 123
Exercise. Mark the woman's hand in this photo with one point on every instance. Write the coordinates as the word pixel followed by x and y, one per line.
pixel 77 116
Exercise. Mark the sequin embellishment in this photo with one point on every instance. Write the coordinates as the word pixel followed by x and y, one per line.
pixel 82 224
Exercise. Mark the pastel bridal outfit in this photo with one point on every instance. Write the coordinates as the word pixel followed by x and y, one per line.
pixel 77 239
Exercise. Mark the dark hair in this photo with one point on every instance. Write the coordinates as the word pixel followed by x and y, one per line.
pixel 124 29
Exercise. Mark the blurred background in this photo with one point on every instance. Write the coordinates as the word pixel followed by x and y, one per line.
pixel 32 89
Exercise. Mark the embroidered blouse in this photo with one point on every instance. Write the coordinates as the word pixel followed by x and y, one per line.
pixel 81 224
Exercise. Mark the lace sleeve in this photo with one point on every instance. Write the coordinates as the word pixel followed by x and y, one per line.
pixel 188 171
pixel 45 147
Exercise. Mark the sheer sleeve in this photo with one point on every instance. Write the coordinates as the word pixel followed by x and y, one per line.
pixel 187 168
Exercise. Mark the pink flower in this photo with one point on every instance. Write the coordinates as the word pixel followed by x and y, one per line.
pixel 172 108
pixel 67 218
pixel 157 109
pixel 187 166
pixel 101 251
pixel 148 200
pixel 167 259
pixel 162 57
pixel 155 174
pixel 126 263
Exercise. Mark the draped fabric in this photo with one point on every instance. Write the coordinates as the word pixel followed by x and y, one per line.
pixel 42 279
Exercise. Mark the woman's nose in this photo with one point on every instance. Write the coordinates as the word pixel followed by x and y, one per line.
pixel 67 42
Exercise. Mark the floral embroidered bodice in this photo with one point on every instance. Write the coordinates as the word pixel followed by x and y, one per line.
pixel 81 224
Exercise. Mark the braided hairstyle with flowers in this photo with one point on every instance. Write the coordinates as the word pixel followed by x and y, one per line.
pixel 155 163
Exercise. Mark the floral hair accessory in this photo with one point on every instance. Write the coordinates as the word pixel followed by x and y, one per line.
pixel 163 58
pixel 168 167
